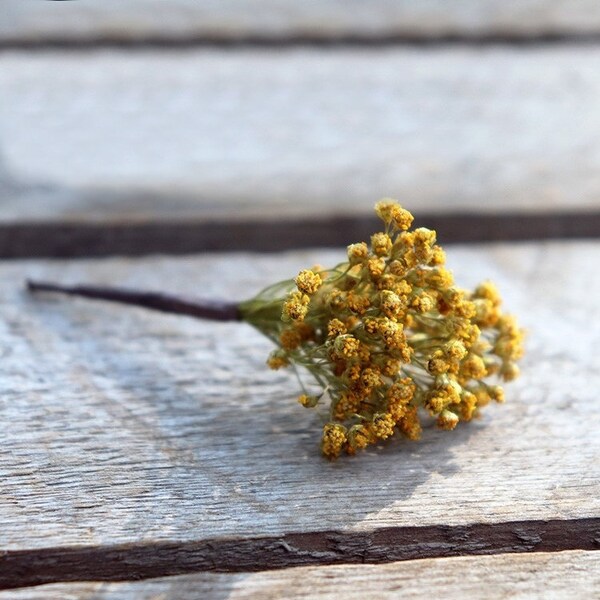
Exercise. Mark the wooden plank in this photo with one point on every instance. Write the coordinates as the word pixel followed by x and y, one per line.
pixel 236 20
pixel 131 427
pixel 574 574
pixel 109 136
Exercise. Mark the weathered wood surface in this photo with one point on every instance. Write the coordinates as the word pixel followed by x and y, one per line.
pixel 108 136
pixel 574 574
pixel 125 426
pixel 30 21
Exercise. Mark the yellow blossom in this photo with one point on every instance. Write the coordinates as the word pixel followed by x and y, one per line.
pixel 410 425
pixel 438 256
pixel 358 304
pixel 447 420
pixel 473 367
pixel 402 288
pixel 383 425
pixel 353 372
pixel 371 325
pixel 389 336
pixel 509 371
pixel 335 327
pixel 357 253
pixel 290 339
pixel 333 440
pixel 391 367
pixel 385 209
pixel 468 405
pixel 488 291
pixel 370 378
pixel 346 346
pixel 346 405
pixel 296 306
pixel 308 401
pixel 308 282
pixel 390 304
pixel 439 278
pixel 381 243
pixel 496 393
pixel 422 303
pixel 359 438
pixel 401 218
pixel 438 363
pixel 376 267
pixel 455 349
pixel 336 300
pixel 402 391
pixel 277 361
pixel 424 239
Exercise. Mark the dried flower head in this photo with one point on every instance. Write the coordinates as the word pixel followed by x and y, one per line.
pixel 387 335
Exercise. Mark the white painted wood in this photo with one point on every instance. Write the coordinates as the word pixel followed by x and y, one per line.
pixel 123 425
pixel 114 135
pixel 548 576
pixel 139 19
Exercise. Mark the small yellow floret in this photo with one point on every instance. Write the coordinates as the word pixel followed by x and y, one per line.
pixel 447 420
pixel 381 243
pixel 335 327
pixel 376 266
pixel 384 209
pixel 383 425
pixel 308 282
pixel 346 346
pixel 277 361
pixel 509 371
pixel 308 401
pixel 496 393
pixel 390 304
pixel 333 440
pixel 410 425
pixel 290 339
pixel 401 218
pixel 357 253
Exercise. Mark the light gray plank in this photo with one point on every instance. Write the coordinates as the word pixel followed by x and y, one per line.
pixel 112 135
pixel 127 425
pixel 573 574
pixel 29 20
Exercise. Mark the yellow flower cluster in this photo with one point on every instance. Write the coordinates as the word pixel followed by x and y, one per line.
pixel 387 334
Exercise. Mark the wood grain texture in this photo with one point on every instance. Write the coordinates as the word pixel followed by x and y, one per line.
pixel 130 426
pixel 574 574
pixel 123 20
pixel 109 136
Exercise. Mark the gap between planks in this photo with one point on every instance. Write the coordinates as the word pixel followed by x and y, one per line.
pixel 569 574
pixel 137 238
pixel 135 561
pixel 255 41
pixel 284 22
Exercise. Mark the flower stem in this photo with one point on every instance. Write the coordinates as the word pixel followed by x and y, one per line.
pixel 213 310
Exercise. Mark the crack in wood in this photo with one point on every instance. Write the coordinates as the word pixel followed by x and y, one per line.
pixel 137 238
pixel 126 562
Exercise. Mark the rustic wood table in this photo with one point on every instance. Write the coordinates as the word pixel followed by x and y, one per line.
pixel 150 456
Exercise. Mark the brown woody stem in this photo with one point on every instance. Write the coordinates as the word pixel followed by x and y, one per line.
pixel 213 310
